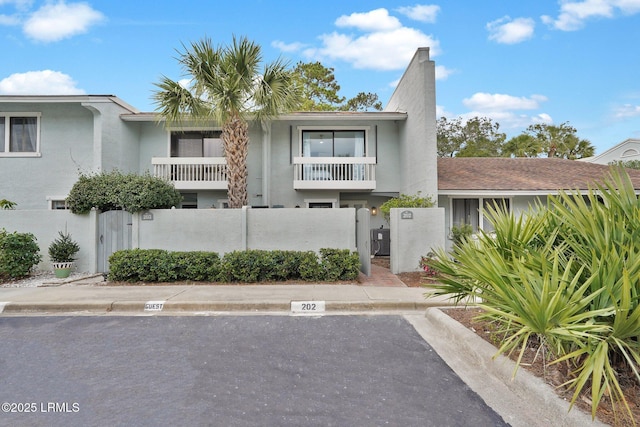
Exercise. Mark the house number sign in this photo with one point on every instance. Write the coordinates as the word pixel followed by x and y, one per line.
pixel 406 215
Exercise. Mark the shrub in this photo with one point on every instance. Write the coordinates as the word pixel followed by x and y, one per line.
pixel 19 253
pixel 63 248
pixel 564 276
pixel 339 264
pixel 406 201
pixel 155 265
pixel 113 190
pixel 460 233
pixel 197 266
pixel 7 204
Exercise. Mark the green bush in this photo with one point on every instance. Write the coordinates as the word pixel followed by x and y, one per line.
pixel 339 264
pixel 406 201
pixel 460 233
pixel 19 253
pixel 114 190
pixel 63 248
pixel 566 276
pixel 155 265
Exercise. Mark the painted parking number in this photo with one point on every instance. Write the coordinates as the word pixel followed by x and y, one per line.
pixel 307 306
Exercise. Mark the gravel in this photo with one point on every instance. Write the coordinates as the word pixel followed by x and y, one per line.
pixel 43 278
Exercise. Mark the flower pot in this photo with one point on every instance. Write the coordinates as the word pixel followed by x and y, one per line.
pixel 62 269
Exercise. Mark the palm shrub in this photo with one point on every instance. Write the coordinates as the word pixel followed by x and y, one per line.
pixel 566 276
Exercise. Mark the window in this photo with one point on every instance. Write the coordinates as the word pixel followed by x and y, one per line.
pixel 333 143
pixel 320 203
pixel 58 204
pixel 467 211
pixel 196 144
pixel 189 201
pixel 19 134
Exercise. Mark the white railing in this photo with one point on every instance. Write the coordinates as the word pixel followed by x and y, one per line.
pixel 334 173
pixel 192 172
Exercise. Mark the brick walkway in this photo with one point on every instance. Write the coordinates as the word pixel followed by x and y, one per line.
pixel 380 276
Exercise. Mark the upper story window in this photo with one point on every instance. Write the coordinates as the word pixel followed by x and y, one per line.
pixel 19 134
pixel 196 144
pixel 333 143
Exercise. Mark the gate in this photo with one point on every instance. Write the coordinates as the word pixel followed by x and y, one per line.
pixel 114 234
pixel 363 241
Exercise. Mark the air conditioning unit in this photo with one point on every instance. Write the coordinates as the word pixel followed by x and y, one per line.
pixel 380 241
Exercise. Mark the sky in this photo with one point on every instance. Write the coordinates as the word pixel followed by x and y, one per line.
pixel 518 62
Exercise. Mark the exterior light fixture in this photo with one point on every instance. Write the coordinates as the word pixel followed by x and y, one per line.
pixel 374 211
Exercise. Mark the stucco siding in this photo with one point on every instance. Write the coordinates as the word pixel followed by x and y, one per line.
pixel 66 147
pixel 415 94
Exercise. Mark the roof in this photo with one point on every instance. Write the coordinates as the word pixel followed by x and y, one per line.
pixel 523 175
pixel 630 143
pixel 299 115
pixel 66 98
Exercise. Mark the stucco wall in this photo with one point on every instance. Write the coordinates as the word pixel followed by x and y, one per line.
pixel 45 225
pixel 225 230
pixel 414 233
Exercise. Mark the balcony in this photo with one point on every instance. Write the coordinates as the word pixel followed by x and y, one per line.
pixel 334 173
pixel 192 173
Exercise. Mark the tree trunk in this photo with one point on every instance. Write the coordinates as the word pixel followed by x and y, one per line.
pixel 235 139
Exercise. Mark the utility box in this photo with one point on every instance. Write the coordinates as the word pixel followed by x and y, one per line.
pixel 380 241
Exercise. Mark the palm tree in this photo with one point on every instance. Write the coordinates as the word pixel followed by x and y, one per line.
pixel 227 88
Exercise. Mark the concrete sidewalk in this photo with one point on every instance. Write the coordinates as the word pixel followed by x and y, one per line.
pixel 93 296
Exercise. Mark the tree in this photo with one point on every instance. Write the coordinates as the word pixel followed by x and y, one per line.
pixel 227 88
pixel 319 87
pixel 477 137
pixel 320 91
pixel 560 141
pixel 629 164
pixel 363 102
pixel 523 145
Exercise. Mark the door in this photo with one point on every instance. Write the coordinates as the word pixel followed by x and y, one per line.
pixel 114 234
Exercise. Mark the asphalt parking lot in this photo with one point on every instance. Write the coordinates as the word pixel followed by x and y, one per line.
pixel 356 370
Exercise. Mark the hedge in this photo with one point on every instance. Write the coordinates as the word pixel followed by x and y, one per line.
pixel 157 265
pixel 19 253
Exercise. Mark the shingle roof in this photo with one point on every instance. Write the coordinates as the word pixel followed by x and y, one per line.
pixel 520 174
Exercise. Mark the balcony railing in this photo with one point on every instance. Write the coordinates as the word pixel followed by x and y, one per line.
pixel 334 173
pixel 192 173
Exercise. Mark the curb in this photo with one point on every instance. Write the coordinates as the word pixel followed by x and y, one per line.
pixel 524 400
pixel 103 307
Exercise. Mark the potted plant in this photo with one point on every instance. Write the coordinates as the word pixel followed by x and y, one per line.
pixel 62 252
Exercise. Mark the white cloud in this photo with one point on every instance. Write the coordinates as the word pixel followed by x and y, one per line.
pixel 378 41
pixel 9 20
pixel 627 110
pixel 380 50
pixel 287 47
pixel 19 4
pixel 500 102
pixel 421 12
pixel 510 31
pixel 573 14
pixel 45 82
pixel 375 20
pixel 442 72
pixel 57 21
pixel 502 109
